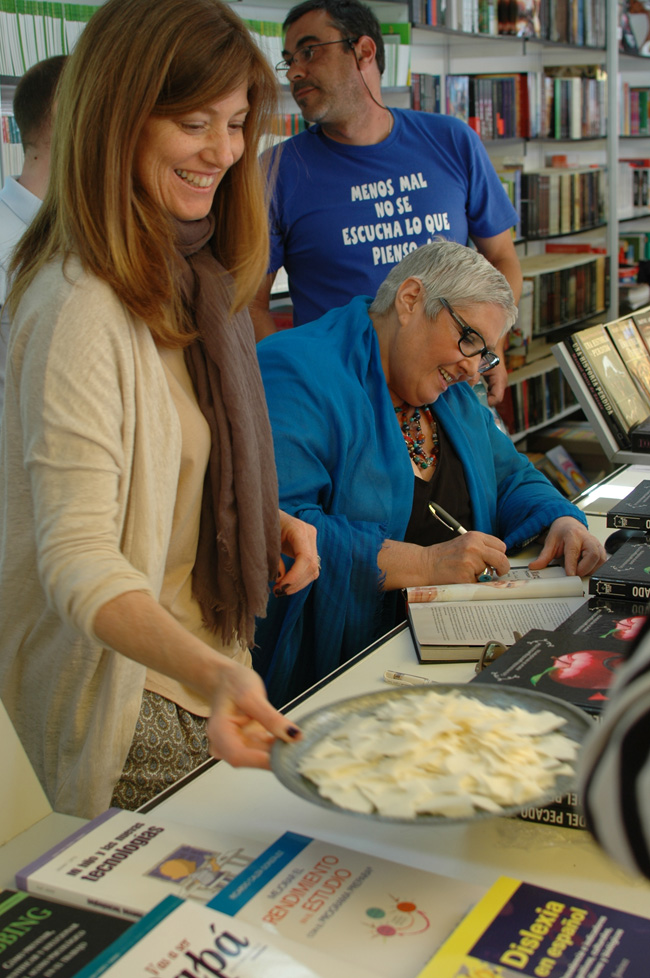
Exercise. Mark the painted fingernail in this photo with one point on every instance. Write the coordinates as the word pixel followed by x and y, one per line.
pixel 280 591
pixel 293 732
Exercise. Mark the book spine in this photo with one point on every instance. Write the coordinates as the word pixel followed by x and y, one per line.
pixel 598 395
pixel 631 522
pixel 640 442
pixel 623 590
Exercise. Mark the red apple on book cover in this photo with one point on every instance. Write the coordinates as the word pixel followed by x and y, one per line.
pixel 587 669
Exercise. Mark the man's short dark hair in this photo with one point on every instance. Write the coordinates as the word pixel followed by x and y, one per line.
pixel 34 96
pixel 350 17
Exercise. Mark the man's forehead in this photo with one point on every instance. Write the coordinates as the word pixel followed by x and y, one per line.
pixel 309 29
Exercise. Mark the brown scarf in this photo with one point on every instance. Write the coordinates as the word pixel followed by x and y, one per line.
pixel 239 538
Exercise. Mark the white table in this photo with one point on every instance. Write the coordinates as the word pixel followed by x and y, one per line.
pixel 254 804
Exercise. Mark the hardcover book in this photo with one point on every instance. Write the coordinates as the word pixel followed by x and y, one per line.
pixel 626 574
pixel 618 622
pixel 608 618
pixel 577 668
pixel 599 397
pixel 452 622
pixel 526 930
pixel 634 354
pixel 641 319
pixel 640 436
pixel 372 914
pixel 39 937
pixel 598 348
pixel 632 512
pixel 124 863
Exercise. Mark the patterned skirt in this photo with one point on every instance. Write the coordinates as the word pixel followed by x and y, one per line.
pixel 168 743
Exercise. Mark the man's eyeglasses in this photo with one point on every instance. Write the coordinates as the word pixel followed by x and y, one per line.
pixel 471 343
pixel 304 55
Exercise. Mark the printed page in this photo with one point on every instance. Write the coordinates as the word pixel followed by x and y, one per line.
pixel 478 622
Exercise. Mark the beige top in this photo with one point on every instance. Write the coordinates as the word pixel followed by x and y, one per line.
pixel 90 455
pixel 176 594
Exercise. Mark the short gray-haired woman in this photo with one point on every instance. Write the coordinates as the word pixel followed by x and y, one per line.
pixel 371 421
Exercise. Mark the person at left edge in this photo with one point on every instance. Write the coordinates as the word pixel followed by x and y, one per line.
pixel 373 418
pixel 138 494
pixel 21 195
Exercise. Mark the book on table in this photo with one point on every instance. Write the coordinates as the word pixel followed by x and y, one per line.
pixel 375 916
pixel 183 939
pixel 302 909
pixel 452 622
pixel 578 668
pixel 625 574
pixel 633 511
pixel 526 930
pixel 124 863
pixel 40 937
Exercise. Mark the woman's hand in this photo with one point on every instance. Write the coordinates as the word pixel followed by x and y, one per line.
pixel 243 724
pixel 298 540
pixel 464 558
pixel 569 538
pixel 458 561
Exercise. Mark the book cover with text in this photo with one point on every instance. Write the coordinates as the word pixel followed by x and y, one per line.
pixel 369 912
pixel 520 929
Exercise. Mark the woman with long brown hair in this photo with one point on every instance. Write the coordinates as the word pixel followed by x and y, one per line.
pixel 138 494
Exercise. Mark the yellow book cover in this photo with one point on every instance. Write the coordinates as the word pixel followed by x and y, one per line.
pixel 520 929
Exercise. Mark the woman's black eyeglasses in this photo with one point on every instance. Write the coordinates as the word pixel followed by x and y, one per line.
pixel 471 343
pixel 304 55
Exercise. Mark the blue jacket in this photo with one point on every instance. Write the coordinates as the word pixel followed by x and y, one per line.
pixel 343 466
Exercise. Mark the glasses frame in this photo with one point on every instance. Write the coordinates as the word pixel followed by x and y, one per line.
pixel 286 63
pixel 489 359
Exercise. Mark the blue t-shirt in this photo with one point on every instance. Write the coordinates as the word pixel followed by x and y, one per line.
pixel 342 215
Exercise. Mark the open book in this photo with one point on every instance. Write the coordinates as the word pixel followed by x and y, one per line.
pixel 452 622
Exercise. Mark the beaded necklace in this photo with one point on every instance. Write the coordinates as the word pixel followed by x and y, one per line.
pixel 409 422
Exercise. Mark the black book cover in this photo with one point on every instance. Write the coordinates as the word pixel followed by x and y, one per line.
pixel 640 437
pixel 632 512
pixel 606 618
pixel 576 668
pixel 39 937
pixel 626 574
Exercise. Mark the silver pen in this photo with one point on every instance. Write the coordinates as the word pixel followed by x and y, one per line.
pixel 405 679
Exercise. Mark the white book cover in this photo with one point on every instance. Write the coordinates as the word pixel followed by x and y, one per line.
pixel 372 914
pixel 124 863
pixel 182 939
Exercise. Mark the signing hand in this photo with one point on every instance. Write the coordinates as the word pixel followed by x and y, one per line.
pixel 567 537
pixel 464 558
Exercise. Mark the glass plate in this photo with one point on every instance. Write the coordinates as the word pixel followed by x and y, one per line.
pixel 320 723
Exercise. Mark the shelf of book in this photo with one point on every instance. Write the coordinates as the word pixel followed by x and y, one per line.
pixel 537 395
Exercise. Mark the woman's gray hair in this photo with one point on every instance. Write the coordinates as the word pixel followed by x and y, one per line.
pixel 460 275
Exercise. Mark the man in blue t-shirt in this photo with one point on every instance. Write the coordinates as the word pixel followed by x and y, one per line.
pixel 367 184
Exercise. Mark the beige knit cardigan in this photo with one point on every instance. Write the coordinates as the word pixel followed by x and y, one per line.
pixel 89 461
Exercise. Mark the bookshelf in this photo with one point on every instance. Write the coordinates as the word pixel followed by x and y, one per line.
pixel 579 47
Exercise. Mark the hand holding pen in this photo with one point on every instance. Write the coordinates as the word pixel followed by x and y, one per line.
pixel 489 572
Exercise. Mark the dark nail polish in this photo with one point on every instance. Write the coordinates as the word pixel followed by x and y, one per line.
pixel 293 732
pixel 281 590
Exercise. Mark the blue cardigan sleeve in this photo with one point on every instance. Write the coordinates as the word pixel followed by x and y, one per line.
pixel 341 467
pixel 510 497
